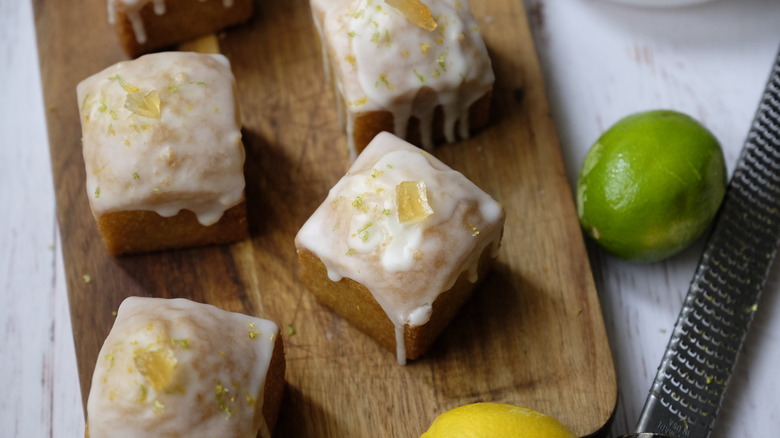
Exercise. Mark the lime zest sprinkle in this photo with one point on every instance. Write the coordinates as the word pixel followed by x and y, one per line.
pixel 382 80
pixel 442 61
pixel 87 278
pixel 175 87
pixel 183 343
pixel 419 76
pixel 143 392
pixel 363 232
pixel 130 88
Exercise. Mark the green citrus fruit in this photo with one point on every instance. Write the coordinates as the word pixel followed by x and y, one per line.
pixel 495 420
pixel 650 185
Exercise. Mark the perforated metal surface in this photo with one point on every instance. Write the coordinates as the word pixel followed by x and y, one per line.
pixel 724 293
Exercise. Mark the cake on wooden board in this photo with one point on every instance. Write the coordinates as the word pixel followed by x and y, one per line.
pixel 162 148
pixel 422 73
pixel 174 367
pixel 147 25
pixel 399 244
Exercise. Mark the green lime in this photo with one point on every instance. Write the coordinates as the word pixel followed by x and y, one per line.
pixel 650 185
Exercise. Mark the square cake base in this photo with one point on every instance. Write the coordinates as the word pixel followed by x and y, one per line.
pixel 182 21
pixel 353 302
pixel 138 231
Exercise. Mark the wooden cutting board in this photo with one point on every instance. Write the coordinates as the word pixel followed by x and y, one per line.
pixel 532 335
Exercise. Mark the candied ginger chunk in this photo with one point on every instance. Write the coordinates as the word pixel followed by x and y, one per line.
pixel 412 200
pixel 156 365
pixel 415 11
pixel 144 104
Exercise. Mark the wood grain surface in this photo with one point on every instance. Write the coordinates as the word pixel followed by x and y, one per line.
pixel 532 335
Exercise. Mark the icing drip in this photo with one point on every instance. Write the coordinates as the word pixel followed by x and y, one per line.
pixel 132 9
pixel 176 146
pixel 357 234
pixel 385 62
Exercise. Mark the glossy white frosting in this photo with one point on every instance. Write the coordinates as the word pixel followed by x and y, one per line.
pixel 132 9
pixel 357 234
pixel 190 157
pixel 383 61
pixel 215 389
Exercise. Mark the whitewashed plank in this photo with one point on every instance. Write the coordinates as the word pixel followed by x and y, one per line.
pixel 603 61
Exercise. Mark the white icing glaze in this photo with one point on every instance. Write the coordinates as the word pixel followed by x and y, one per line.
pixel 191 157
pixel 132 8
pixel 357 234
pixel 216 385
pixel 382 61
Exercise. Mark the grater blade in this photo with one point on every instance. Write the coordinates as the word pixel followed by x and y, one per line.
pixel 723 296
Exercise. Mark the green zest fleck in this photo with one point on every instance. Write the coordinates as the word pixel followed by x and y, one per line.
pixel 442 61
pixel 142 396
pixel 376 173
pixel 382 80
pixel 158 407
pixel 130 88
pixel 183 343
pixel 84 103
pixel 363 232
pixel 87 278
pixel 136 176
pixel 386 212
pixel 351 252
pixel 97 193
pixel 358 202
pixel 175 87
pixel 291 329
pixel 419 76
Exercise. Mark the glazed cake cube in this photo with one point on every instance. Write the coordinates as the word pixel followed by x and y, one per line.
pixel 419 69
pixel 399 244
pixel 163 153
pixel 174 367
pixel 147 25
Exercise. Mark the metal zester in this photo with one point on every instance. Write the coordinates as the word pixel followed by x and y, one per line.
pixel 723 296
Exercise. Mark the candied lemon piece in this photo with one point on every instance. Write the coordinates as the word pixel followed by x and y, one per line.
pixel 156 365
pixel 144 104
pixel 416 12
pixel 412 200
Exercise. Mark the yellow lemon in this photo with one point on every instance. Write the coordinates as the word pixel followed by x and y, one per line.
pixel 650 185
pixel 495 420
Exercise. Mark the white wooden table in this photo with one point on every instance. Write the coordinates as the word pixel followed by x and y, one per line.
pixel 602 61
